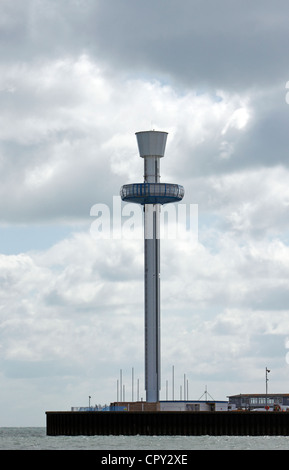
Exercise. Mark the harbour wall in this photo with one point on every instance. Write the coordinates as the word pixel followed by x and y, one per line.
pixel 230 423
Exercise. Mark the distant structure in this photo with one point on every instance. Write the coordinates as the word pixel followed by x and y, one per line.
pixel 152 194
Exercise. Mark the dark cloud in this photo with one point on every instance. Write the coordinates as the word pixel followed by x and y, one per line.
pixel 227 44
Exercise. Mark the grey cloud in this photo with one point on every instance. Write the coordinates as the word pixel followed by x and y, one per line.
pixel 227 44
pixel 263 142
pixel 43 28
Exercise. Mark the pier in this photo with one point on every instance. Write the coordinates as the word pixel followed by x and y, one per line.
pixel 172 423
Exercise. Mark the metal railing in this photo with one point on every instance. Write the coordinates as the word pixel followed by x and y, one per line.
pixel 146 193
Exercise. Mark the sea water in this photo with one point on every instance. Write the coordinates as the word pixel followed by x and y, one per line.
pixel 36 439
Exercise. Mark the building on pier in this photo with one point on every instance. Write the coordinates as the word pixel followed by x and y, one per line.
pixel 250 401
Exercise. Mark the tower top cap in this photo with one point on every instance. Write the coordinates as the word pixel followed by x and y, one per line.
pixel 151 143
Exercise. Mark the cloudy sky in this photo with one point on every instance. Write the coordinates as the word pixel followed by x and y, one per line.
pixel 78 78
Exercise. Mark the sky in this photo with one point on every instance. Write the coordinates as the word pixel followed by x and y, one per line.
pixel 78 79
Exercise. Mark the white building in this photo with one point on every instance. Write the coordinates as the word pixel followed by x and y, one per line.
pixel 193 405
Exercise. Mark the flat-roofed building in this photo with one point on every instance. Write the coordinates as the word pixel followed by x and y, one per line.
pixel 249 401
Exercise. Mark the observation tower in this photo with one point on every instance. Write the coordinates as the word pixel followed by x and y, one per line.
pixel 152 194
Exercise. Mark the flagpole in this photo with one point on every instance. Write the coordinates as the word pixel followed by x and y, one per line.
pixel 267 371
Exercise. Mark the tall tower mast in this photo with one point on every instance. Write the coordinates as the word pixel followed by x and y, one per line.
pixel 152 194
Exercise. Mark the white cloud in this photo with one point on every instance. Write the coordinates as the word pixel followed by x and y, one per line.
pixel 77 309
pixel 68 128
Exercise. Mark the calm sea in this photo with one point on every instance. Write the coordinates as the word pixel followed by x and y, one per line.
pixel 36 439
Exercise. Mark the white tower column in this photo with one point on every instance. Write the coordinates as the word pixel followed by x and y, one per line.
pixel 152 194
pixel 152 302
pixel 152 146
